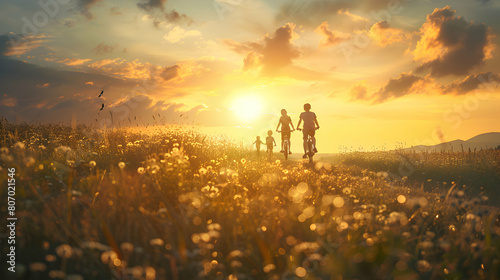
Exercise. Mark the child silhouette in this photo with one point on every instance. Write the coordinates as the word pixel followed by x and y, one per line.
pixel 257 144
pixel 285 122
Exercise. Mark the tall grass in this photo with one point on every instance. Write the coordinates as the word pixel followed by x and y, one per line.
pixel 175 204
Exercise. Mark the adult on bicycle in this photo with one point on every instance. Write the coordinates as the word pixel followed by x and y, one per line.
pixel 310 125
pixel 285 122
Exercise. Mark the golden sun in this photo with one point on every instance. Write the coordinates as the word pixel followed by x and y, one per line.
pixel 247 108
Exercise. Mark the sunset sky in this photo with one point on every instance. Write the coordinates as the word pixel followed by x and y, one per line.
pixel 376 72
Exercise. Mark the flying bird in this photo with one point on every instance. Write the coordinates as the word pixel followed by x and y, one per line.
pixel 102 107
pixel 101 93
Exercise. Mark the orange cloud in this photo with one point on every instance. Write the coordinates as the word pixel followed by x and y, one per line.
pixel 147 71
pixel 405 84
pixel 384 35
pixel 352 16
pixel 74 61
pixel 331 37
pixel 178 33
pixel 449 45
pixel 9 102
pixel 21 44
pixel 473 82
pixel 42 85
pixel 273 54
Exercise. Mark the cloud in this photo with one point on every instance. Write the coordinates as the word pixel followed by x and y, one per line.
pixel 331 37
pixel 472 83
pixel 74 61
pixel 359 91
pixel 170 72
pixel 149 5
pixel 84 7
pixel 158 7
pixel 121 68
pixel 30 92
pixel 271 55
pixel 103 49
pixel 449 45
pixel 352 16
pixel 115 11
pixel 313 12
pixel 178 33
pixel 8 101
pixel 12 44
pixel 405 84
pixel 382 33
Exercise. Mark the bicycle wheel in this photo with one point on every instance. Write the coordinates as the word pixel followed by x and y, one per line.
pixel 286 149
pixel 310 153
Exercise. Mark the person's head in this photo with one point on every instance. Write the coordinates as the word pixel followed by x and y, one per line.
pixel 283 112
pixel 307 107
pixel 258 137
pixel 269 132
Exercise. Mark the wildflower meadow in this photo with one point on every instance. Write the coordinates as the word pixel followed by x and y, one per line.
pixel 173 203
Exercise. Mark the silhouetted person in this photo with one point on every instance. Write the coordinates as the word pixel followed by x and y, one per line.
pixel 285 122
pixel 257 144
pixel 309 128
pixel 269 142
pixel 101 93
pixel 102 107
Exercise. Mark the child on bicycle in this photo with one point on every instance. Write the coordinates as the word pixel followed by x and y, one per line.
pixel 285 122
pixel 257 144
pixel 270 141
pixel 310 125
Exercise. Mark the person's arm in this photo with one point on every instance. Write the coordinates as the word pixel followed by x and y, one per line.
pixel 274 142
pixel 316 122
pixel 291 123
pixel 300 120
pixel 278 124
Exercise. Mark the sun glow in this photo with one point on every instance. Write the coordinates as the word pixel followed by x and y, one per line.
pixel 247 108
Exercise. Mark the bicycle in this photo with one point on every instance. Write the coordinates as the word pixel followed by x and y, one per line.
pixel 286 146
pixel 310 151
pixel 309 148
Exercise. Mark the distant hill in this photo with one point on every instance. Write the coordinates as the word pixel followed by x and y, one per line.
pixel 481 141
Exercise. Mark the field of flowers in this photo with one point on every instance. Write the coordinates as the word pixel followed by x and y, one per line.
pixel 476 173
pixel 174 204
